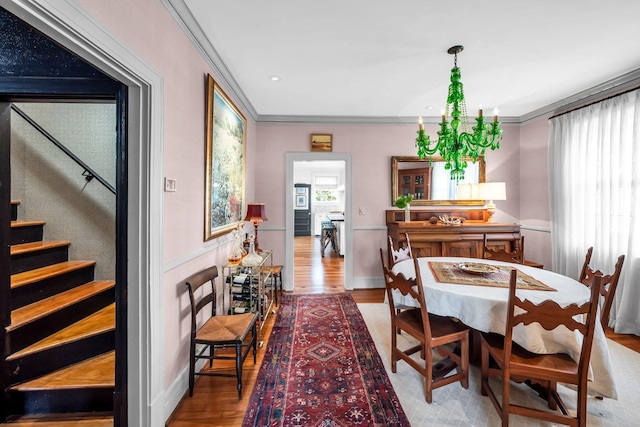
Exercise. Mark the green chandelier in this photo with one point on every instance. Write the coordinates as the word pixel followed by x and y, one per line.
pixel 454 146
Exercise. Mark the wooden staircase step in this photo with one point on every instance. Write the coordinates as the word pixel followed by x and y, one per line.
pixel 24 248
pixel 20 224
pixel 14 209
pixel 26 231
pixel 62 420
pixel 41 309
pixel 97 323
pixel 95 372
pixel 30 255
pixel 38 274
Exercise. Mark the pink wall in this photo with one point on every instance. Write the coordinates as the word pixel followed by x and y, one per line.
pixel 534 196
pixel 372 147
pixel 147 29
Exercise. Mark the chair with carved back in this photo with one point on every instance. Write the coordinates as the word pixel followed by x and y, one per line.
pixel 432 333
pixel 401 253
pixel 516 256
pixel 503 358
pixel 217 333
pixel 608 284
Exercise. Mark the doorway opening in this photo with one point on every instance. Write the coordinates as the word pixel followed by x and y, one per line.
pixel 319 204
pixel 143 93
pixel 324 181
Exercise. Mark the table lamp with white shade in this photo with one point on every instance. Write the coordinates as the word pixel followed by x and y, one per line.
pixel 491 191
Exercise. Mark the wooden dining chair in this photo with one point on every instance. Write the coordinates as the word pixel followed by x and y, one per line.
pixel 516 256
pixel 217 332
pixel 397 255
pixel 432 332
pixel 401 253
pixel 504 358
pixel 608 284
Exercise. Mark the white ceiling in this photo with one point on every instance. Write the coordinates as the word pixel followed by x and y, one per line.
pixel 382 58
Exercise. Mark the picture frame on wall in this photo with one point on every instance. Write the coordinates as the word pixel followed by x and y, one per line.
pixel 321 142
pixel 226 130
pixel 302 201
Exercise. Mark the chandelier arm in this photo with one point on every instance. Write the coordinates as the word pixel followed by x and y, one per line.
pixel 423 143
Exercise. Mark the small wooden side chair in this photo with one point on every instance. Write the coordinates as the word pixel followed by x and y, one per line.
pixel 432 332
pixel 515 363
pixel 516 256
pixel 608 284
pixel 217 332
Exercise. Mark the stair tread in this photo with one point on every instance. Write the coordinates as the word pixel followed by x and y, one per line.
pixel 36 246
pixel 37 274
pixel 96 323
pixel 96 372
pixel 17 224
pixel 29 313
pixel 15 202
pixel 83 419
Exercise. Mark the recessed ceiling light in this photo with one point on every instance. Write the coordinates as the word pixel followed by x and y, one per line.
pixel 274 78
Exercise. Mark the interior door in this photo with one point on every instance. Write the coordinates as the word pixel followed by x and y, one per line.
pixel 302 210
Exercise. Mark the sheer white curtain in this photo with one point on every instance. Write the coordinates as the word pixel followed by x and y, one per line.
pixel 443 187
pixel 594 188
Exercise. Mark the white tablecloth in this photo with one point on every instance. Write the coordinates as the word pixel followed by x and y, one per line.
pixel 485 309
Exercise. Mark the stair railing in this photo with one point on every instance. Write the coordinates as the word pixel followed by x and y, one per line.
pixel 88 172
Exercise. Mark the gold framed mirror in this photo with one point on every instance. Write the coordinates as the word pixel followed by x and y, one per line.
pixel 431 184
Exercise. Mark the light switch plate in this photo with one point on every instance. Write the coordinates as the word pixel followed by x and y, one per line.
pixel 169 184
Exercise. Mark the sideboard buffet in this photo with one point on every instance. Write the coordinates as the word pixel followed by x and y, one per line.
pixel 464 240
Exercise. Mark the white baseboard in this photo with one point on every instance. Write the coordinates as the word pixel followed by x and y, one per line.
pixel 368 282
pixel 178 389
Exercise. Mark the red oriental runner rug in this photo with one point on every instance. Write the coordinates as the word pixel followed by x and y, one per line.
pixel 321 369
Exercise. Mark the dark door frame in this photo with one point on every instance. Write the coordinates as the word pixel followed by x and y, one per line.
pixel 120 393
pixel 13 89
pixel 70 26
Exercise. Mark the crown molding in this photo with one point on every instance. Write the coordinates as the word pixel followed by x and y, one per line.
pixel 610 87
pixel 190 27
pixel 359 120
pixel 193 31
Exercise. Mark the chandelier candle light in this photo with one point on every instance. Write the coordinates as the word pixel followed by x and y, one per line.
pixel 457 146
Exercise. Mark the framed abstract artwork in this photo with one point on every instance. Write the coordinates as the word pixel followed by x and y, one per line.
pixel 226 129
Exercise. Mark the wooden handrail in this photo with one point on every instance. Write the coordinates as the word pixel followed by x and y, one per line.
pixel 88 172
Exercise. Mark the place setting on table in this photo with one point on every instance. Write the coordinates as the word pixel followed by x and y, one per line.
pixel 476 292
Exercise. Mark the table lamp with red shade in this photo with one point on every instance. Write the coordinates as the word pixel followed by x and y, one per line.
pixel 256 214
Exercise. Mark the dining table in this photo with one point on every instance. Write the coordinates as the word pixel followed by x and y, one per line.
pixel 481 303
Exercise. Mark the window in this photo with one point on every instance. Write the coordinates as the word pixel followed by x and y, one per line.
pixel 325 188
pixel 326 195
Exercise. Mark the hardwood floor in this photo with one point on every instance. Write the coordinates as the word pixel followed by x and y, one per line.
pixel 215 399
